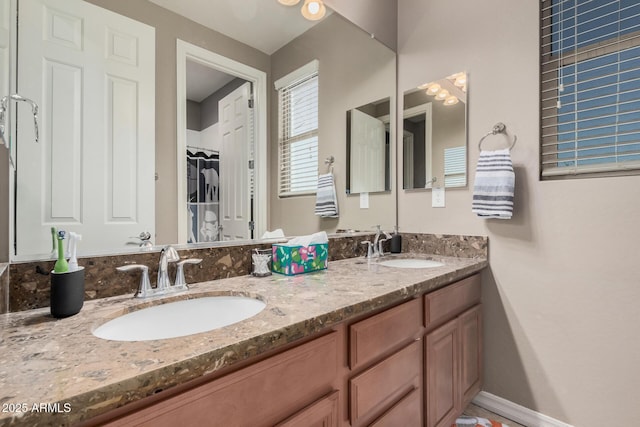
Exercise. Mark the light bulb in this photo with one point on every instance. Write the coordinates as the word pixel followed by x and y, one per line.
pixel 461 81
pixel 289 2
pixel 443 94
pixel 451 100
pixel 433 89
pixel 313 10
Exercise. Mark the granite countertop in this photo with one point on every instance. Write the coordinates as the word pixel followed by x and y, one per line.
pixel 55 372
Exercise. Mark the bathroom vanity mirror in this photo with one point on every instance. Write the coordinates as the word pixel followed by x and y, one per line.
pixel 262 37
pixel 434 142
pixel 368 151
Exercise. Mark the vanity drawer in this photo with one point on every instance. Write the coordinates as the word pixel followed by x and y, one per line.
pixel 406 413
pixel 446 303
pixel 378 335
pixel 376 389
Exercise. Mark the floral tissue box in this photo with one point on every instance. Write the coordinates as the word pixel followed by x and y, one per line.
pixel 292 260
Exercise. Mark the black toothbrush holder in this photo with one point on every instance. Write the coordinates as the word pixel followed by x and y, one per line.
pixel 67 293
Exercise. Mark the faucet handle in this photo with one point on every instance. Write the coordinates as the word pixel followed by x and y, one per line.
pixel 180 282
pixel 144 289
pixel 369 248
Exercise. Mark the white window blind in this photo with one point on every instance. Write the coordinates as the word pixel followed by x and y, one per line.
pixel 455 166
pixel 298 133
pixel 590 86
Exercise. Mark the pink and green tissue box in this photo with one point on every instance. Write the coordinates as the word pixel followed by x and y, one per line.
pixel 292 260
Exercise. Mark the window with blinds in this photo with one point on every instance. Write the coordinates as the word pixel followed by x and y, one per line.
pixel 298 132
pixel 455 166
pixel 590 87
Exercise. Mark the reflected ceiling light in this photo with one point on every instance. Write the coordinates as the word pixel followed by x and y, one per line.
pixel 289 2
pixel 451 100
pixel 313 9
pixel 433 89
pixel 443 94
pixel 461 81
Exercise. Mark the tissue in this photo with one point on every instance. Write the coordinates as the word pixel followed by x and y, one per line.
pixel 311 239
pixel 275 234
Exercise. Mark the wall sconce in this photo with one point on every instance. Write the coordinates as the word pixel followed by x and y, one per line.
pixel 312 10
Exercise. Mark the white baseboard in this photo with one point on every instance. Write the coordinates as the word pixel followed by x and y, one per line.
pixel 515 412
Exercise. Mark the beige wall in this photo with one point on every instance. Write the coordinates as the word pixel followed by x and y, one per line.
pixel 170 27
pixel 351 74
pixel 561 295
pixel 381 20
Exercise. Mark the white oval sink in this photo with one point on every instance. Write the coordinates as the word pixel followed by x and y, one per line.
pixel 411 263
pixel 180 318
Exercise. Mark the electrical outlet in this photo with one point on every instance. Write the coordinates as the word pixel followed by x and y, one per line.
pixel 437 197
pixel 364 200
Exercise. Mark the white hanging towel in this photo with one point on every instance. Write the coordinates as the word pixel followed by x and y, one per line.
pixel 494 185
pixel 326 199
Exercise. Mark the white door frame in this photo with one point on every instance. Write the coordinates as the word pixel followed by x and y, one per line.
pixel 195 53
pixel 416 111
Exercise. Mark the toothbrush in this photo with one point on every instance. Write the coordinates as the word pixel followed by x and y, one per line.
pixel 73 250
pixel 53 241
pixel 61 265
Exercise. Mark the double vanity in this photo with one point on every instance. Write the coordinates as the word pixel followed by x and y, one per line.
pixel 361 343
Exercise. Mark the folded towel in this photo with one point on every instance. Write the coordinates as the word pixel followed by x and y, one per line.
pixel 494 185
pixel 326 199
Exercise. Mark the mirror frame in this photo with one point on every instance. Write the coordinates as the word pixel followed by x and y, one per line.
pixel 187 51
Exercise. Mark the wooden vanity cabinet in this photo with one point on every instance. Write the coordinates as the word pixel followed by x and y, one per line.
pixel 415 364
pixel 453 350
pixel 296 387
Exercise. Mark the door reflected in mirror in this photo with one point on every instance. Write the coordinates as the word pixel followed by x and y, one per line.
pixel 434 141
pixel 368 148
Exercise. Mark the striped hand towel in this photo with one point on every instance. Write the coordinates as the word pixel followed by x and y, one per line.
pixel 326 199
pixel 494 185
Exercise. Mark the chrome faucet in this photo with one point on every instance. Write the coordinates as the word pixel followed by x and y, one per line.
pixel 167 254
pixel 375 250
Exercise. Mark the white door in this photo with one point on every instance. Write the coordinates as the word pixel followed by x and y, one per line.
pixel 5 40
pixel 368 151
pixel 92 72
pixel 234 117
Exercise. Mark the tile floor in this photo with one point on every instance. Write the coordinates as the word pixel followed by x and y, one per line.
pixel 476 411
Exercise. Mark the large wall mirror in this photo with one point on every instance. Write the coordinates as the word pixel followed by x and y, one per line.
pixel 114 157
pixel 434 141
pixel 368 148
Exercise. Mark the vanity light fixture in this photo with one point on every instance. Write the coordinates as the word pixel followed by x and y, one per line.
pixel 442 95
pixel 313 10
pixel 451 100
pixel 433 89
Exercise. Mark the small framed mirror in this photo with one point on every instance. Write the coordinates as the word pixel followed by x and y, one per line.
pixel 368 140
pixel 434 142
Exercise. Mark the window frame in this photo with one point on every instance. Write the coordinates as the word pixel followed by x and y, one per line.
pixel 549 65
pixel 301 75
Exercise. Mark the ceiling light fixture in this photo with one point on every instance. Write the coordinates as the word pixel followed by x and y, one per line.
pixel 289 2
pixel 313 10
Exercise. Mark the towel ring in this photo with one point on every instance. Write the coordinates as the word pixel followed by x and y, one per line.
pixel 329 162
pixel 498 128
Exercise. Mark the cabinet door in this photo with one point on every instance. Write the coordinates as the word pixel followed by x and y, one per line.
pixel 470 327
pixel 323 413
pixel 441 367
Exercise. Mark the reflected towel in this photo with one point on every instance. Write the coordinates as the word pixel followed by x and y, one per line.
pixel 326 199
pixel 494 185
